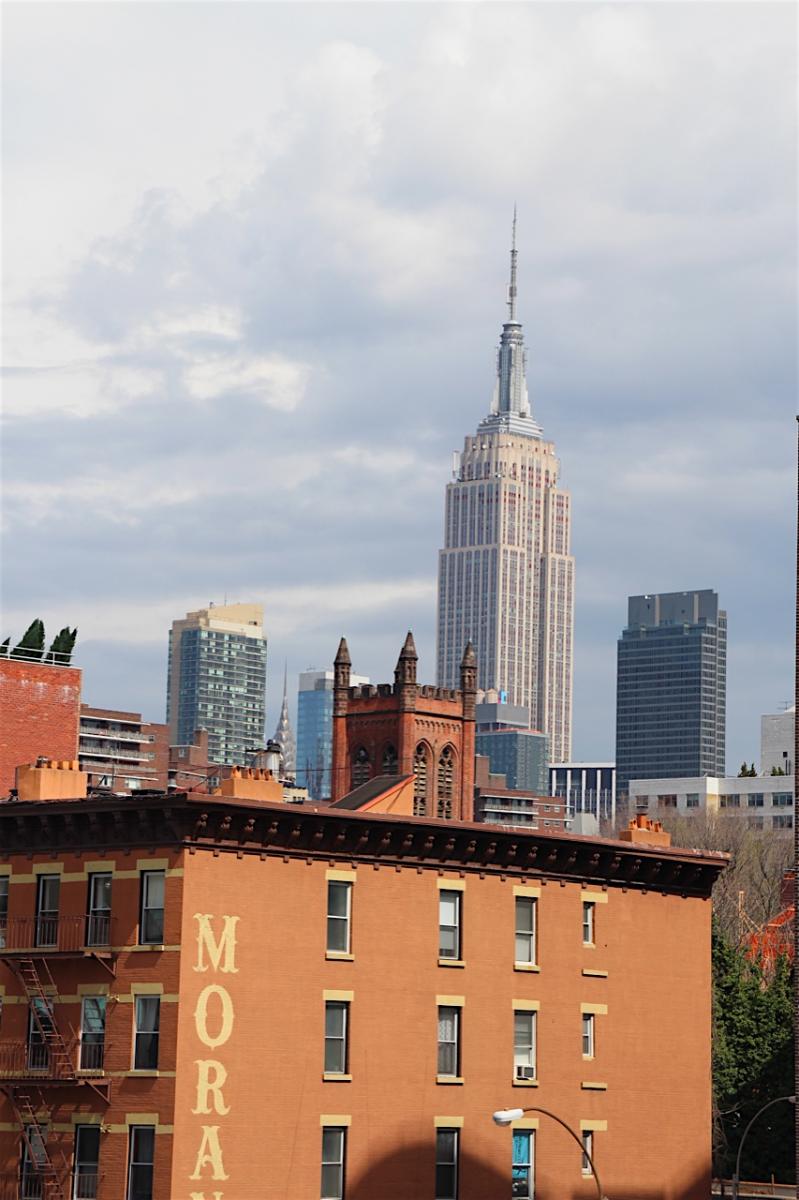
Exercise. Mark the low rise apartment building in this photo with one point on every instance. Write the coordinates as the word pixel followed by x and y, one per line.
pixel 176 1028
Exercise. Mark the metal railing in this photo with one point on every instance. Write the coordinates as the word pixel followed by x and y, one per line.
pixel 34 1060
pixel 83 1184
pixel 56 934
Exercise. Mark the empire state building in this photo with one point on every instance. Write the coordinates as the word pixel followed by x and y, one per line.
pixel 506 575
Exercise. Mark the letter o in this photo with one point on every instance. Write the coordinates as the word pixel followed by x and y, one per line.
pixel 201 1016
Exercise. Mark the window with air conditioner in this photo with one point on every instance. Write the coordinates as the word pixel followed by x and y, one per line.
pixel 524 1048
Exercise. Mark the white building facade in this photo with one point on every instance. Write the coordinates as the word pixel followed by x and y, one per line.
pixel 506 574
pixel 762 801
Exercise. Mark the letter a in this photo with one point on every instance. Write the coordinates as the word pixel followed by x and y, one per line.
pixel 222 953
pixel 209 1154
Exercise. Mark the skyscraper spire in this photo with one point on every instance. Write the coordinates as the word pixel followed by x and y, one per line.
pixel 510 406
pixel 512 289
pixel 284 733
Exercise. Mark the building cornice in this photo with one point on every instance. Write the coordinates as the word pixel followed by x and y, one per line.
pixel 195 821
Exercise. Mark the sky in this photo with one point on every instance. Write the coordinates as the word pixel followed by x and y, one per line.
pixel 254 274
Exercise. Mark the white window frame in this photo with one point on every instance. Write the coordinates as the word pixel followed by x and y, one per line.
pixel 589 1035
pixel 453 1011
pixel 525 1051
pixel 529 1165
pixel 145 1000
pixel 132 1162
pixel 340 1040
pixel 85 1002
pixel 589 923
pixel 529 936
pixel 452 1163
pixel 339 1162
pixel 587 1138
pixel 146 907
pixel 339 920
pixel 446 896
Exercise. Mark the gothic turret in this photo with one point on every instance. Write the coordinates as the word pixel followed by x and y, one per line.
pixel 341 678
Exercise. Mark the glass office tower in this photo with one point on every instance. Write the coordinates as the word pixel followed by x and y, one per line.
pixel 315 730
pixel 671 688
pixel 217 681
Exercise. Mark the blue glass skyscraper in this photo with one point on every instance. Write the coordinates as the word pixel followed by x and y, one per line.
pixel 671 688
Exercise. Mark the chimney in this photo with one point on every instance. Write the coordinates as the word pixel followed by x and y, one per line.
pixel 645 832
pixel 51 780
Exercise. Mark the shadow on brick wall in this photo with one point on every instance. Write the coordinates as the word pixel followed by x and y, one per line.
pixel 409 1174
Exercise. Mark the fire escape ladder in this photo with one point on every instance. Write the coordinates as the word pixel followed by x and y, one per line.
pixel 38 1154
pixel 40 990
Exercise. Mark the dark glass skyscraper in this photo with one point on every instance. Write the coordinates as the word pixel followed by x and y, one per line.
pixel 671 688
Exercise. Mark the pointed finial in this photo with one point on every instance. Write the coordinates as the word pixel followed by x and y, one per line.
pixel 512 288
pixel 343 655
pixel 409 647
pixel 285 678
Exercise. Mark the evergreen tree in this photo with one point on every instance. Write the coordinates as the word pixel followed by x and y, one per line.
pixel 62 645
pixel 31 645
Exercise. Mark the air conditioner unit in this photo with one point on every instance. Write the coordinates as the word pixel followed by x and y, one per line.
pixel 525 1072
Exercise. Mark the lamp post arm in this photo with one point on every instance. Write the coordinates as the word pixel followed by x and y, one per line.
pixel 737 1176
pixel 570 1131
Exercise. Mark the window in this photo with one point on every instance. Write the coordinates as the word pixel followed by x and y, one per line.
pixel 141 1153
pixel 754 822
pixel 449 924
pixel 34 1162
pixel 756 800
pixel 523 1045
pixel 361 769
pixel 420 771
pixel 334 1144
pixel 86 1162
pixel 339 909
pixel 151 924
pixel 3 909
pixel 782 821
pixel 525 930
pixel 449 1047
pixel 447 1164
pixel 47 894
pixel 337 1015
pixel 92 1033
pixel 589 913
pixel 588 1035
pixel 40 1026
pixel 389 763
pixel 778 800
pixel 523 1168
pixel 98 920
pixel 446 773
pixel 587 1138
pixel 731 801
pixel 692 800
pixel 667 801
pixel 148 1019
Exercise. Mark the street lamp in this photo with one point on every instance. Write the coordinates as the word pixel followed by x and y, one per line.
pixel 736 1179
pixel 506 1116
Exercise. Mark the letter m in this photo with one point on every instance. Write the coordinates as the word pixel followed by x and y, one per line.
pixel 221 951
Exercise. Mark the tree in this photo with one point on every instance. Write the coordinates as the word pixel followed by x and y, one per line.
pixel 752 1062
pixel 777 771
pixel 31 645
pixel 61 648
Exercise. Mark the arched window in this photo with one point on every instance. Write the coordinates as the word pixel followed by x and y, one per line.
pixel 445 782
pixel 389 766
pixel 361 767
pixel 421 761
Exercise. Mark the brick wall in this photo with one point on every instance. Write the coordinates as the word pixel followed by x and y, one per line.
pixel 39 710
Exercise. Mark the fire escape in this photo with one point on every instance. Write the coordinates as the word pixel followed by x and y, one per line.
pixel 50 1058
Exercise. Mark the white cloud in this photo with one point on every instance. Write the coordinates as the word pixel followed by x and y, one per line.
pixel 273 380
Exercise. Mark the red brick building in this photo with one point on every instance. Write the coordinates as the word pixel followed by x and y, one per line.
pixel 39 710
pixel 408 729
pixel 121 751
pixel 225 998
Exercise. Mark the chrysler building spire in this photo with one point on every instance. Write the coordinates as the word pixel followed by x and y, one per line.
pixel 510 406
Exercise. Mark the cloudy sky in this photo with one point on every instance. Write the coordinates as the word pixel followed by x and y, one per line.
pixel 255 266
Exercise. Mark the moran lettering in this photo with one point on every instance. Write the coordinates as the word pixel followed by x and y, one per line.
pixel 214 1018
